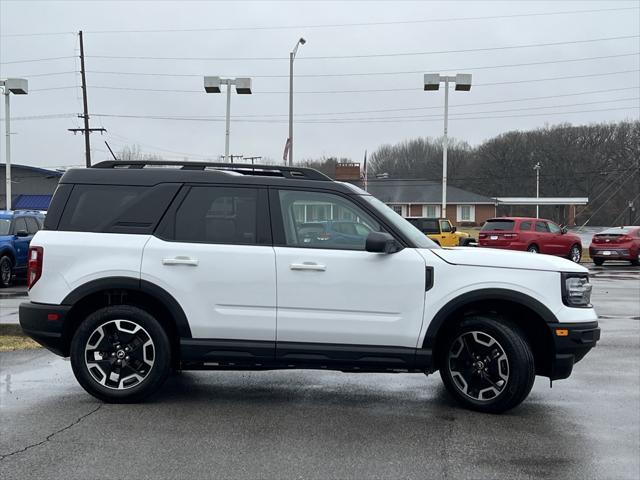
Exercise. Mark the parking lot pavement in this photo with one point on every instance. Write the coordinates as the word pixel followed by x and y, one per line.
pixel 10 299
pixel 320 424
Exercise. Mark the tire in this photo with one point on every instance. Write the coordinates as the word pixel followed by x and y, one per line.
pixel 598 261
pixel 482 383
pixel 533 249
pixel 575 253
pixel 6 271
pixel 124 334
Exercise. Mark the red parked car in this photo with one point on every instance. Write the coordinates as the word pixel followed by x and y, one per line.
pixel 535 235
pixel 619 243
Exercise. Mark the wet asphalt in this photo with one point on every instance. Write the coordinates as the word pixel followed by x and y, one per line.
pixel 319 424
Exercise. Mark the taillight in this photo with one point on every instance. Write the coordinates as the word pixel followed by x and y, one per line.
pixel 482 235
pixel 34 265
pixel 596 239
pixel 624 238
pixel 510 235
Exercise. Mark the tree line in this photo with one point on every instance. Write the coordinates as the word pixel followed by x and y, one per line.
pixel 598 161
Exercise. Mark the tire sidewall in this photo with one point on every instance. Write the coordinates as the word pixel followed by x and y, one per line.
pixel 162 360
pixel 521 368
pixel 576 247
pixel 533 249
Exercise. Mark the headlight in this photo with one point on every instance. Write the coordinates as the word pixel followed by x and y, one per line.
pixel 576 290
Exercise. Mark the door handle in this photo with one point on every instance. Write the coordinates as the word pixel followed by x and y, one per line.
pixel 180 260
pixel 308 266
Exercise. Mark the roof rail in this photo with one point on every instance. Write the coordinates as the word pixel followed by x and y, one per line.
pixel 298 173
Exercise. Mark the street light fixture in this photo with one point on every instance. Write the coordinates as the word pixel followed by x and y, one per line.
pixel 432 82
pixel 292 56
pixel 243 87
pixel 17 86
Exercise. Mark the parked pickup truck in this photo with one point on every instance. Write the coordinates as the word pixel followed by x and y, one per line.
pixel 442 232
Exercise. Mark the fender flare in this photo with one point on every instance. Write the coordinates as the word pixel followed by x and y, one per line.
pixel 486 294
pixel 129 283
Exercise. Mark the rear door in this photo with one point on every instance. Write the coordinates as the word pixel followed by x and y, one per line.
pixel 559 244
pixel 544 238
pixel 212 252
pixel 335 295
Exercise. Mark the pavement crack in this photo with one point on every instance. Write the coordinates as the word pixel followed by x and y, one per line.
pixel 51 435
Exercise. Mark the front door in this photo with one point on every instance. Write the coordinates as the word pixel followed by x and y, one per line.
pixel 21 244
pixel 214 256
pixel 331 292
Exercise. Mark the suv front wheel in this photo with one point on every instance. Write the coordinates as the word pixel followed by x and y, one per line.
pixel 120 354
pixel 487 365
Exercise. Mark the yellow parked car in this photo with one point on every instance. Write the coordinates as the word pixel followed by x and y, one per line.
pixel 442 232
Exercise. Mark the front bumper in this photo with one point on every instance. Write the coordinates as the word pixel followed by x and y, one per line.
pixel 572 341
pixel 45 324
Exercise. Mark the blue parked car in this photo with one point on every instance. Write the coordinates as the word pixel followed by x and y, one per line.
pixel 17 228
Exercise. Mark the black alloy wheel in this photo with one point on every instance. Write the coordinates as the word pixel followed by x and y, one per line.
pixel 487 365
pixel 120 354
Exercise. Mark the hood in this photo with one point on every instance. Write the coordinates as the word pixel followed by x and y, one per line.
pixel 493 257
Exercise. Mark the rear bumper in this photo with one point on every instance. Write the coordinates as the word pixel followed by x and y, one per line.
pixel 44 323
pixel 613 253
pixel 570 349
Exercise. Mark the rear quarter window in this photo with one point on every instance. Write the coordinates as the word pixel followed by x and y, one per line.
pixel 116 208
pixel 525 226
pixel 498 225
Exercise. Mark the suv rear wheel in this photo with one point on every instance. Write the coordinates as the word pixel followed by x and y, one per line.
pixel 487 365
pixel 120 354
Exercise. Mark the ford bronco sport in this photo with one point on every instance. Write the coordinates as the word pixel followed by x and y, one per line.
pixel 142 268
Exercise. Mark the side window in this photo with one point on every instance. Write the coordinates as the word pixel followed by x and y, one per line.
pixel 19 224
pixel 218 215
pixel 32 225
pixel 525 226
pixel 553 228
pixel 309 221
pixel 116 208
pixel 542 227
pixel 444 226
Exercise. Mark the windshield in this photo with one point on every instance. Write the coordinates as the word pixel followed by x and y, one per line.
pixel 5 224
pixel 412 233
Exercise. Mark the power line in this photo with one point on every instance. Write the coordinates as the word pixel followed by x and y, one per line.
pixel 32 60
pixel 355 112
pixel 341 121
pixel 369 74
pixel 376 90
pixel 334 25
pixel 374 55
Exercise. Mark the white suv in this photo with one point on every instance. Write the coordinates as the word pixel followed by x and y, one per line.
pixel 147 266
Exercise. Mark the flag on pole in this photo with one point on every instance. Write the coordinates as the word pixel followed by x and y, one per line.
pixel 287 149
pixel 365 171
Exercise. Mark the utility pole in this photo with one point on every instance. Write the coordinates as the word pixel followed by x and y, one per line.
pixel 86 130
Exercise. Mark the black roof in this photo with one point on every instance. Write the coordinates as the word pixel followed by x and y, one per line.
pixel 421 191
pixel 151 173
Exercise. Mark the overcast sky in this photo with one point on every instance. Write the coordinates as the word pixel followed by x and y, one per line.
pixel 395 43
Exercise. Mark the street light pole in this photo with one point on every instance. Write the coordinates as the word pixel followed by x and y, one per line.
pixel 432 82
pixel 243 87
pixel 228 123
pixel 7 126
pixel 17 86
pixel 292 56
pixel 537 167
pixel 445 147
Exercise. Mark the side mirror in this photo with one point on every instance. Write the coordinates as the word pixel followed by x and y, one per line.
pixel 381 242
pixel 22 233
pixel 564 230
pixel 453 229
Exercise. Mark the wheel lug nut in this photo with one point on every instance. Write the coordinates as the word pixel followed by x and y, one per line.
pixel 127 357
pixel 113 354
